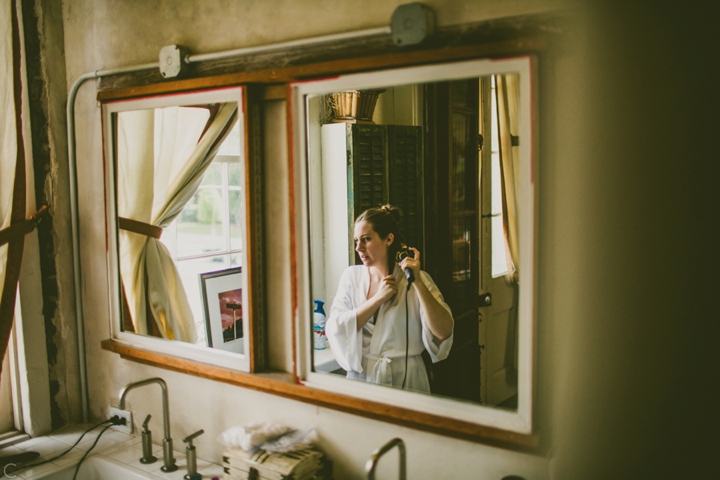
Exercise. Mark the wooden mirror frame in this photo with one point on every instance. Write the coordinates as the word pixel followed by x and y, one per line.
pixel 270 83
pixel 307 167
pixel 253 358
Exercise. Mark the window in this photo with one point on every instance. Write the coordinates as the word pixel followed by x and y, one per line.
pixel 207 235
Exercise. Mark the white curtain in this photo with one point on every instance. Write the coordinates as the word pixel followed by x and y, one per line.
pixel 162 156
pixel 508 95
pixel 8 132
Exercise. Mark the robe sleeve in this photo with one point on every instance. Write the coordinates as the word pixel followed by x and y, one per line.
pixel 438 349
pixel 341 327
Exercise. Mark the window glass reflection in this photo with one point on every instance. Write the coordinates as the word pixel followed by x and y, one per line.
pixel 499 252
pixel 200 225
pixel 207 235
pixel 235 212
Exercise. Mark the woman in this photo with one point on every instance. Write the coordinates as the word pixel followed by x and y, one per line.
pixel 374 308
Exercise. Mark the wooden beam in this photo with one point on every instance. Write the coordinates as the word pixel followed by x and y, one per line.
pixel 326 69
pixel 503 48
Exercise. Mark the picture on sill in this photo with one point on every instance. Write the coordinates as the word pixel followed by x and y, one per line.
pixel 231 314
pixel 222 296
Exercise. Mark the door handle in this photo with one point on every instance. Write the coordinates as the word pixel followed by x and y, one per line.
pixel 485 300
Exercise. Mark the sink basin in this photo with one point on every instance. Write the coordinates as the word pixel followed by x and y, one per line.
pixel 97 468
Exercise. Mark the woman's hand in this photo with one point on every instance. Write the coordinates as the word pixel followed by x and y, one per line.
pixel 386 290
pixel 439 320
pixel 412 263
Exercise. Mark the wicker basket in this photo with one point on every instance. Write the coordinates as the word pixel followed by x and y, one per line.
pixel 353 106
pixel 366 105
pixel 344 106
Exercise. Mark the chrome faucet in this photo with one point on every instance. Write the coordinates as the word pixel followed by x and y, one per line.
pixel 168 459
pixel 372 461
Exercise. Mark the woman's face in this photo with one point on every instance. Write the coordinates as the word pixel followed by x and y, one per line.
pixel 372 249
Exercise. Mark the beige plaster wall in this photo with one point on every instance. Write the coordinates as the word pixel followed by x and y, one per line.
pixel 599 228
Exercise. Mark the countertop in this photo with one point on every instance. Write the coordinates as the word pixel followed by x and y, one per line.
pixel 120 446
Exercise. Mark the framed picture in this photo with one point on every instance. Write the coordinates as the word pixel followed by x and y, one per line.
pixel 222 296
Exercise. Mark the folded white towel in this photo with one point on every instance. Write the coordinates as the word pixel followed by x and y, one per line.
pixel 252 435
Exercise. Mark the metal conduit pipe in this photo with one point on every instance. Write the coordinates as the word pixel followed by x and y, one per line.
pixel 72 160
pixel 370 32
pixel 72 169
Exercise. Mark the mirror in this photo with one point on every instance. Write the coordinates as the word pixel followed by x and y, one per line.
pixel 451 147
pixel 177 192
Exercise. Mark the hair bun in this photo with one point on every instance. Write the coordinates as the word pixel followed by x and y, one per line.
pixel 394 211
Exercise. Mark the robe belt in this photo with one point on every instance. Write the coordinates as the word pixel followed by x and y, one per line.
pixel 380 372
pixel 140 227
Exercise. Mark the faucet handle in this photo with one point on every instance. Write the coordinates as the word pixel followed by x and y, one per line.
pixel 190 457
pixel 192 437
pixel 147 457
pixel 146 422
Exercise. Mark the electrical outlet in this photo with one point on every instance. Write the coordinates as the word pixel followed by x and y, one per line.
pixel 126 414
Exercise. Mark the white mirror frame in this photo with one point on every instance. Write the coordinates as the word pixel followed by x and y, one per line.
pixel 519 421
pixel 231 361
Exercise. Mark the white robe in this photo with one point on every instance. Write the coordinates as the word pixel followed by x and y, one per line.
pixel 376 353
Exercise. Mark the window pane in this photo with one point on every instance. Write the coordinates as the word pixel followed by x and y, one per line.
pixel 235 209
pixel 499 261
pixel 199 226
pixel 496 187
pixel 231 145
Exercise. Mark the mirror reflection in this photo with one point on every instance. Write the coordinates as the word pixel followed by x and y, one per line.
pixel 181 218
pixel 435 167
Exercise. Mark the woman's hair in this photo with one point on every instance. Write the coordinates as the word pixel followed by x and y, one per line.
pixel 385 220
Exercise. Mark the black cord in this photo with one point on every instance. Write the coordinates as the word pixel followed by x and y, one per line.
pixel 407 340
pixel 89 450
pixel 23 467
pixel 403 253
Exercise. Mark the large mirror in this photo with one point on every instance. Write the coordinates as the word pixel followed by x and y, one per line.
pixel 177 210
pixel 450 146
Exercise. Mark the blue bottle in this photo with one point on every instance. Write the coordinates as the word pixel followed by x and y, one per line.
pixel 319 319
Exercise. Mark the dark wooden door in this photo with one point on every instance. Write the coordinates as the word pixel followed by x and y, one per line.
pixel 451 226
